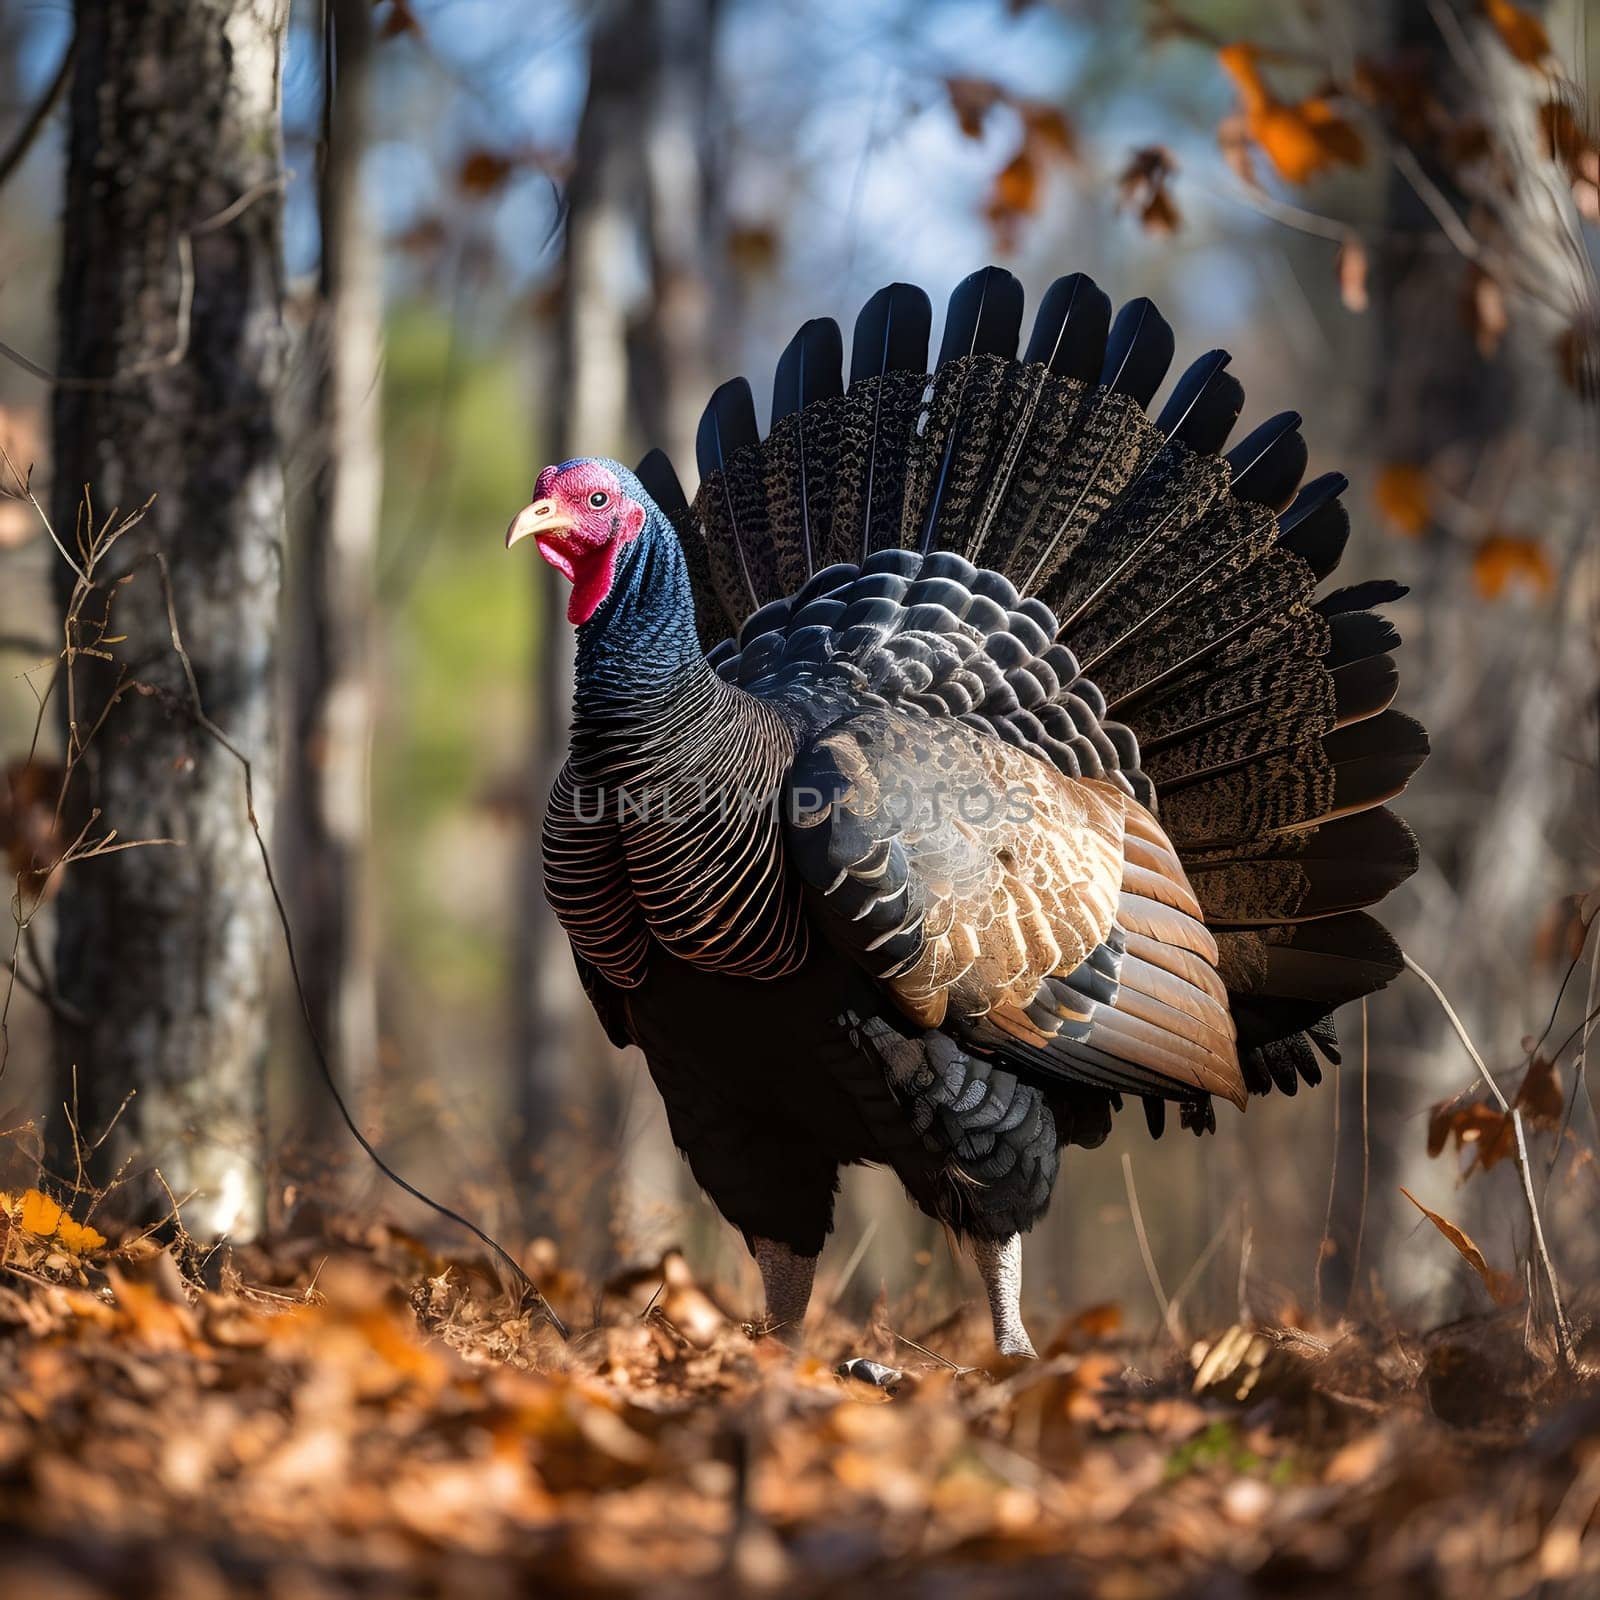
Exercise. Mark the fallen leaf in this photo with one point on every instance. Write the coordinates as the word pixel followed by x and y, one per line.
pixel 1505 1288
pixel 1404 497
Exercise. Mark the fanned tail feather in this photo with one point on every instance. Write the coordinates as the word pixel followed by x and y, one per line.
pixel 1184 580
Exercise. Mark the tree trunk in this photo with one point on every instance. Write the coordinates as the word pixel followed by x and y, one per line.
pixel 324 807
pixel 171 352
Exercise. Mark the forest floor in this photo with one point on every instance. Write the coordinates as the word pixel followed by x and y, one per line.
pixel 354 1416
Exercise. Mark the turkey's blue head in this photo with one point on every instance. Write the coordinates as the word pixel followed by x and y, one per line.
pixel 584 514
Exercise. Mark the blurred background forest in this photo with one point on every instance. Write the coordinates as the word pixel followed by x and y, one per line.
pixel 514 233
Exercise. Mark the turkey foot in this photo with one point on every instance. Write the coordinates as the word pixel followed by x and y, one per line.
pixel 786 1277
pixel 1000 1262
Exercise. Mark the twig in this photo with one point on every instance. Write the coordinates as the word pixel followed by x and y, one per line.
pixel 1366 1162
pixel 1333 1185
pixel 1192 1276
pixel 1563 1332
pixel 183 315
pixel 17 151
pixel 933 1355
pixel 207 726
pixel 857 1256
pixel 1168 1318
pixel 1246 1244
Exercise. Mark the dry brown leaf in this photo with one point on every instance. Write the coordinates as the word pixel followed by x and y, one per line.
pixel 483 171
pixel 753 246
pixel 1540 1096
pixel 1502 559
pixel 972 99
pixel 1472 1122
pixel 1143 188
pixel 1505 1288
pixel 1300 138
pixel 1405 498
pixel 1048 130
pixel 1520 31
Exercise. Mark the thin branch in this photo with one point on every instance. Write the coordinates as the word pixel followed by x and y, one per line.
pixel 1524 1169
pixel 1333 1186
pixel 1168 1317
pixel 183 317
pixel 27 135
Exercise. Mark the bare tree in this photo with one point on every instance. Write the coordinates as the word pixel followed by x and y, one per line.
pixel 171 351
pixel 324 810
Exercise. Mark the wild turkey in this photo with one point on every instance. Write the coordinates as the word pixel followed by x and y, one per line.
pixel 970 755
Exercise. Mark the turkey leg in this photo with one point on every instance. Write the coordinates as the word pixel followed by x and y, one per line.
pixel 1000 1262
pixel 786 1277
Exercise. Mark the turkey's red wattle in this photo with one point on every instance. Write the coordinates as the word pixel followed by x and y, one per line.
pixel 591 569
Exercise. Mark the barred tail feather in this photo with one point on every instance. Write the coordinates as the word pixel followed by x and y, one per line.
pixel 1183 575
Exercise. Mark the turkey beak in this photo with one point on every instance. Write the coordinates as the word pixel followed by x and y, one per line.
pixel 543 516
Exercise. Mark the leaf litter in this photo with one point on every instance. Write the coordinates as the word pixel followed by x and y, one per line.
pixel 358 1415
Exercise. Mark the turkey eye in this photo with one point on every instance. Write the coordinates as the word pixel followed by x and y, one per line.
pixel 599 499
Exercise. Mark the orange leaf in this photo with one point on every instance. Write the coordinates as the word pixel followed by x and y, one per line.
pixel 1503 558
pixel 1405 498
pixel 1239 61
pixel 1505 1289
pixel 1303 140
pixel 1016 185
pixel 39 1214
pixel 1520 31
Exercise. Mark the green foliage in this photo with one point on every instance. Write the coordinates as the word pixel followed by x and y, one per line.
pixel 458 447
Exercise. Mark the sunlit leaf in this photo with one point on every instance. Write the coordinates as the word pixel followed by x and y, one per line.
pixel 1520 31
pixel 1505 1288
pixel 1502 559
pixel 1300 138
pixel 1404 497
pixel 36 1213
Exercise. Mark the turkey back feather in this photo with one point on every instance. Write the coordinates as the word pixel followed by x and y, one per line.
pixel 1146 604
